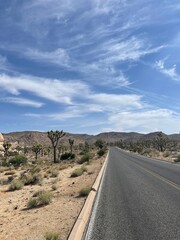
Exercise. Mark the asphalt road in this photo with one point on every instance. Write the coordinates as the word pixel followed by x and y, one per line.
pixel 138 199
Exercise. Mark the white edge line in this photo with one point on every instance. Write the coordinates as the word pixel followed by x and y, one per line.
pixel 93 214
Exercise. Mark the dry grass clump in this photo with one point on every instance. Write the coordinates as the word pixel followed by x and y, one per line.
pixel 84 158
pixel 54 173
pixel 40 198
pixel 31 179
pixel 84 192
pixel 16 184
pixel 78 172
pixel 52 236
pixel 54 187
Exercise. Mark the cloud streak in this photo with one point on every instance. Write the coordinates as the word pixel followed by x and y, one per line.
pixel 51 89
pixel 169 72
pixel 22 102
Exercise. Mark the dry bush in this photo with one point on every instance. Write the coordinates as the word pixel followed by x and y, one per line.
pixel 84 192
pixel 16 184
pixel 31 179
pixel 52 236
pixel 40 198
pixel 78 172
pixel 54 173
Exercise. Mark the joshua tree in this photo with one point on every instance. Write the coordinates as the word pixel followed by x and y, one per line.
pixel 161 142
pixel 36 148
pixel 54 136
pixel 6 146
pixel 71 142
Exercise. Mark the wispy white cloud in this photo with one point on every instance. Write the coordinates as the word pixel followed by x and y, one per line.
pixel 169 72
pixel 131 49
pixel 145 121
pixel 21 101
pixel 116 102
pixel 59 56
pixel 51 89
pixel 94 103
pixel 4 64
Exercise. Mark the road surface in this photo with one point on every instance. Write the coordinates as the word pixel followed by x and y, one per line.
pixel 138 199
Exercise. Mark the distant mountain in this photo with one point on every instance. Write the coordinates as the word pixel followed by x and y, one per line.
pixel 27 138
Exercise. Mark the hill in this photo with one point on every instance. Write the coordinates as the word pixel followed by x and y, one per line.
pixel 27 138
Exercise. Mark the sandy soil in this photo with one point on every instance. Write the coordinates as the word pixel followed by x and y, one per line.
pixel 19 223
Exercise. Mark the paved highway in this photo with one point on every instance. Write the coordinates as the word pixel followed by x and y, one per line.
pixel 138 199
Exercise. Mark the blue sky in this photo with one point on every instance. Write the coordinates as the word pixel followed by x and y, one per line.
pixel 89 66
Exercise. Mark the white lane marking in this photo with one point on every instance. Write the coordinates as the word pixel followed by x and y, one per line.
pixel 92 219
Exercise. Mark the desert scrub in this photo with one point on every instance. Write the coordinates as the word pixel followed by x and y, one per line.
pixel 34 170
pixel 54 187
pixel 32 203
pixel 40 198
pixel 84 158
pixel 52 236
pixel 84 192
pixel 18 160
pixel 78 172
pixel 16 184
pixel 31 179
pixel 54 173
pixel 101 152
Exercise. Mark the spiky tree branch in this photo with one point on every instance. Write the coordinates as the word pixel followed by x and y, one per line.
pixel 55 136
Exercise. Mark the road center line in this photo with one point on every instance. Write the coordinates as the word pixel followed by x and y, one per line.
pixel 172 184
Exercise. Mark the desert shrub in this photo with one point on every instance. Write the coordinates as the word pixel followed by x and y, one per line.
pixel 44 198
pixel 84 158
pixel 16 184
pixel 29 179
pixel 54 187
pixel 67 156
pixel 40 198
pixel 18 160
pixel 177 159
pixel 84 192
pixel 52 236
pixel 32 203
pixel 78 172
pixel 54 173
pixel 54 181
pixel 101 152
pixel 34 170
pixel 36 194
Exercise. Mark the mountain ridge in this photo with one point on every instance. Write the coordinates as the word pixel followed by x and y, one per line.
pixel 30 137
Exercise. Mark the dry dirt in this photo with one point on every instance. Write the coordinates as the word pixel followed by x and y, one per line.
pixel 19 223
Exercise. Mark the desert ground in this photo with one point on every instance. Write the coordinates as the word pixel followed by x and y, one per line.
pixel 18 222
